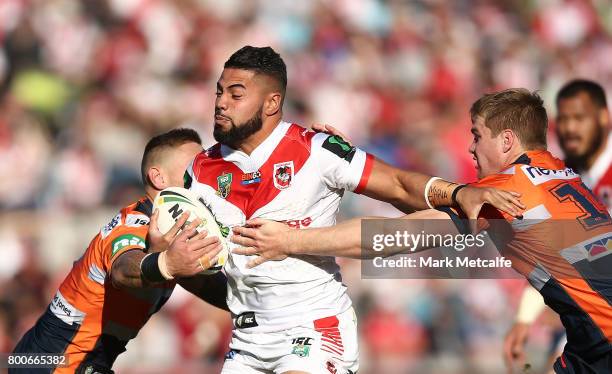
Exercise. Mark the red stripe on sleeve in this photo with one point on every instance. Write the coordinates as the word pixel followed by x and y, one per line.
pixel 367 170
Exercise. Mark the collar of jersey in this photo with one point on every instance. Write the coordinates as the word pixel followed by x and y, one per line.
pixel 252 162
pixel 522 160
pixel 539 158
pixel 145 206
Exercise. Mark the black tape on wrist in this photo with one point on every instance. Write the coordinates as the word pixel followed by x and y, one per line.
pixel 455 191
pixel 149 268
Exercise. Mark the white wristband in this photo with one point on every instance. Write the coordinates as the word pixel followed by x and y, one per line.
pixel 427 187
pixel 163 266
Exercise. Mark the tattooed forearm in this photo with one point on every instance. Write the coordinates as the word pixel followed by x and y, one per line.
pixel 437 193
pixel 125 272
pixel 440 193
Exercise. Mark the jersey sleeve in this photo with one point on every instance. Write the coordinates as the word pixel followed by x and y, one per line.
pixel 342 166
pixel 502 182
pixel 124 237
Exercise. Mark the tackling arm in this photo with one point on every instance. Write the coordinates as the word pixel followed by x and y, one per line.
pixel 210 288
pixel 125 271
pixel 173 255
pixel 275 241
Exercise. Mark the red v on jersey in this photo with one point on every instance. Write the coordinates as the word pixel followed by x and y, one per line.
pixel 209 166
pixel 294 147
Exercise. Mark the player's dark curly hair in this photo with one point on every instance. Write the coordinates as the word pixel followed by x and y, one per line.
pixel 576 86
pixel 262 60
pixel 170 139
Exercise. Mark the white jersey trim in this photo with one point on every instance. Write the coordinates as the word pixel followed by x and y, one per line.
pixel 65 311
pixel 601 165
pixel 254 161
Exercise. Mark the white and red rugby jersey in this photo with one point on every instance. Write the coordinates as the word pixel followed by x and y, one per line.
pixel 599 177
pixel 297 176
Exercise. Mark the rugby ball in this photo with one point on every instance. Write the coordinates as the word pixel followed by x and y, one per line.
pixel 173 201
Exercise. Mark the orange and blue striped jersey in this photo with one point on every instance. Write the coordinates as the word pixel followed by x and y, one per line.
pixel 105 318
pixel 563 245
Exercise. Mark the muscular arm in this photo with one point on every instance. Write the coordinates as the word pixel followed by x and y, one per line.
pixel 125 271
pixel 182 253
pixel 406 191
pixel 210 288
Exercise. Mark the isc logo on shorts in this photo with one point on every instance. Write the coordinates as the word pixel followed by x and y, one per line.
pixel 301 346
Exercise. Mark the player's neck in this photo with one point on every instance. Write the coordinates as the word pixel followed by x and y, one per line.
pixel 514 155
pixel 592 158
pixel 151 193
pixel 253 141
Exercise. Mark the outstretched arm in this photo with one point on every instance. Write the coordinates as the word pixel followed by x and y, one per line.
pixel 271 240
pixel 409 191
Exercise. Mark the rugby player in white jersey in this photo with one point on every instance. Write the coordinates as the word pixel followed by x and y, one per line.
pixel 294 316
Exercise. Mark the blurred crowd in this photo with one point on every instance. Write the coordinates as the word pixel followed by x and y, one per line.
pixel 84 85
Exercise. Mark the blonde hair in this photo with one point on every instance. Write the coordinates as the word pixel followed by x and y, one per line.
pixel 516 109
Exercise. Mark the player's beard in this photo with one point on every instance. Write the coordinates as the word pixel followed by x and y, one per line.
pixel 238 133
pixel 579 162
